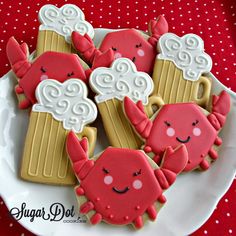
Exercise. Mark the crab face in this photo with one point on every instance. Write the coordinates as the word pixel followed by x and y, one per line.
pixel 53 65
pixel 183 123
pixel 131 44
pixel 125 185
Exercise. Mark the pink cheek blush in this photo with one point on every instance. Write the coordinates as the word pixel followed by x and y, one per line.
pixel 170 132
pixel 117 55
pixel 197 132
pixel 108 179
pixel 140 52
pixel 43 77
pixel 137 184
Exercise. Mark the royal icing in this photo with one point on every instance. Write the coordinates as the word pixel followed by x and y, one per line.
pixel 64 20
pixel 54 65
pixel 121 80
pixel 117 184
pixel 170 127
pixel 67 102
pixel 129 43
pixel 187 53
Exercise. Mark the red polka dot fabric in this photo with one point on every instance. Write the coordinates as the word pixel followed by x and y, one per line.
pixel 213 20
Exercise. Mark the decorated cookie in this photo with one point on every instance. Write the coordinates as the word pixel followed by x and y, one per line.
pixel 122 186
pixel 182 123
pixel 56 26
pixel 129 43
pixel 54 65
pixel 111 86
pixel 180 68
pixel 61 107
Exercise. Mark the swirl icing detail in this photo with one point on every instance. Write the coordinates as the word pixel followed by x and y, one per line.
pixel 67 102
pixel 120 80
pixel 187 53
pixel 64 20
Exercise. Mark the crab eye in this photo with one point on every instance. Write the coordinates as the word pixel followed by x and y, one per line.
pixel 167 123
pixel 43 69
pixel 137 173
pixel 195 123
pixel 105 171
pixel 114 49
pixel 138 45
pixel 70 74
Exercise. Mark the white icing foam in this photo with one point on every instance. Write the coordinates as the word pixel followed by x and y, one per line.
pixel 64 20
pixel 67 102
pixel 121 80
pixel 187 53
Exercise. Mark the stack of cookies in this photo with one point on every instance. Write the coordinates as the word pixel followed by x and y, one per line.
pixel 153 94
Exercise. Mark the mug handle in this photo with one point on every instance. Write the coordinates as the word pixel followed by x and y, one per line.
pixel 154 104
pixel 204 99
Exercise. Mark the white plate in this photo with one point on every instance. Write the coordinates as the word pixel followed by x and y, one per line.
pixel 190 201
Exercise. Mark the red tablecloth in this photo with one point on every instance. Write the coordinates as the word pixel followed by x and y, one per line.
pixel 213 20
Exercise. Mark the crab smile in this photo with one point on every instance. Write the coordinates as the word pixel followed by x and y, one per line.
pixel 183 141
pixel 120 191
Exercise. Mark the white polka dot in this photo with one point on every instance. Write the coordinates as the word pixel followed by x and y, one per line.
pixel 205 232
pixel 230 231
pixel 217 221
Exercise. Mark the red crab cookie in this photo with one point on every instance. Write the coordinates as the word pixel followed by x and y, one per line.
pixel 53 65
pixel 182 123
pixel 122 185
pixel 129 43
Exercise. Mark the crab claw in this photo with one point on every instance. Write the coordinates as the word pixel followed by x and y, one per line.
pixel 78 153
pixel 157 28
pixel 136 115
pixel 18 57
pixel 220 109
pixel 101 60
pixel 174 161
pixel 84 45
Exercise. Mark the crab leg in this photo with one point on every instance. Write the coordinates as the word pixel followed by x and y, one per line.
pixel 157 159
pixel 19 90
pixel 218 141
pixel 204 164
pixel 213 154
pixel 79 191
pixel 152 213
pixel 138 222
pixel 161 199
pixel 24 104
pixel 86 207
pixel 96 218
